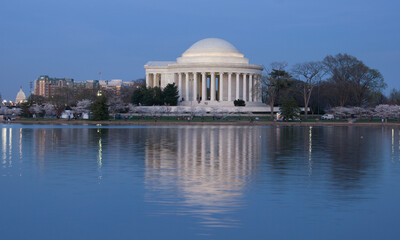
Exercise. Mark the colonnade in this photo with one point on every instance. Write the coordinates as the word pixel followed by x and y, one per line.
pixel 213 86
pixel 153 79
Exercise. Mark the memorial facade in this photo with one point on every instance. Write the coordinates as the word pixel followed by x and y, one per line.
pixel 211 72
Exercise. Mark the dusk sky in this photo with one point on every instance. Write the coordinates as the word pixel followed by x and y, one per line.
pixel 79 39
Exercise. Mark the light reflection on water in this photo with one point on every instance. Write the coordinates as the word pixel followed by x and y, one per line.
pixel 208 167
pixel 249 179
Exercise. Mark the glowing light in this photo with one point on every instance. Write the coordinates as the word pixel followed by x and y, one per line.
pixel 392 141
pixel 4 143
pixel 100 157
pixel 10 147
pixel 20 143
pixel 310 151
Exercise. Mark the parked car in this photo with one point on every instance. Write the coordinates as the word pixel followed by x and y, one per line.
pixel 327 117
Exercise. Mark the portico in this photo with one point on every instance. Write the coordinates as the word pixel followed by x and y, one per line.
pixel 211 72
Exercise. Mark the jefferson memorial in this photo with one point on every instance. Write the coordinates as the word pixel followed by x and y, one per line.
pixel 212 72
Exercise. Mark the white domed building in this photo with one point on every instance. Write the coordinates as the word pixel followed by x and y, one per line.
pixel 211 72
pixel 20 97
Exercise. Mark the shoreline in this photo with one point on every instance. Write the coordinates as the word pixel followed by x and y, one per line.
pixel 186 123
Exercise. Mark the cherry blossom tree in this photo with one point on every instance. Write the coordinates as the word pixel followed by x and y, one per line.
pixel 82 106
pixel 116 105
pixel 36 110
pixel 49 109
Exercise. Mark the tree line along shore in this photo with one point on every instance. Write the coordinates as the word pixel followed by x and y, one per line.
pixel 339 84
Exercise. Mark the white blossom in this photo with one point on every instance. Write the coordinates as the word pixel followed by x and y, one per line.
pixel 16 111
pixel 82 106
pixel 49 109
pixel 116 105
pixel 36 109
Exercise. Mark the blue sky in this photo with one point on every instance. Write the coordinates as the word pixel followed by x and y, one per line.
pixel 79 39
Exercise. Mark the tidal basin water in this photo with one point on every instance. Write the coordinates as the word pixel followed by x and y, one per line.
pixel 199 182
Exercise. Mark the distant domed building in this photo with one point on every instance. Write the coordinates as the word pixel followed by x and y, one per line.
pixel 211 72
pixel 20 97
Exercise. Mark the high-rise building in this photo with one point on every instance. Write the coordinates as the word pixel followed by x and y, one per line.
pixel 46 86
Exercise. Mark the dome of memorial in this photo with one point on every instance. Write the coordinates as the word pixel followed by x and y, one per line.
pixel 212 50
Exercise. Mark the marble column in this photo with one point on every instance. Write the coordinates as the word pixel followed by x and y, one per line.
pixel 259 95
pixel 251 88
pixel 148 79
pixel 229 87
pixel 221 86
pixel 237 86
pixel 154 79
pixel 212 87
pixel 180 85
pixel 203 86
pixel 194 86
pixel 187 87
pixel 244 87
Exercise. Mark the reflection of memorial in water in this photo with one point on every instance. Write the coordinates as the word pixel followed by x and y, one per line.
pixel 206 167
pixel 6 143
pixel 11 146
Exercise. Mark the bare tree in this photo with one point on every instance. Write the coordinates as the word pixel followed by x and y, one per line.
pixel 394 97
pixel 352 78
pixel 276 79
pixel 366 80
pixel 310 73
pixel 339 68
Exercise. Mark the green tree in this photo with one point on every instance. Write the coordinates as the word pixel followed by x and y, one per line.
pixel 148 97
pixel 138 93
pixel 289 108
pixel 157 94
pixel 171 94
pixel 25 109
pixel 100 109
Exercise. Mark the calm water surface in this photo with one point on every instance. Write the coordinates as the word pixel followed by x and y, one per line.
pixel 195 182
